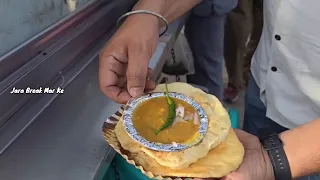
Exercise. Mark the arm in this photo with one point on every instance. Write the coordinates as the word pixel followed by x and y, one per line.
pixel 125 58
pixel 170 9
pixel 302 147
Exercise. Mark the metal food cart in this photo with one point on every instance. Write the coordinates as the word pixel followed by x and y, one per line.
pixel 58 136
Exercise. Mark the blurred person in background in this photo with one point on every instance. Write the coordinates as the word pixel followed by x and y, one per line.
pixel 204 31
pixel 243 31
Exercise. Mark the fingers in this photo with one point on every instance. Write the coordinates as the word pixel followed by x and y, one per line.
pixel 112 78
pixel 126 56
pixel 138 63
pixel 150 84
pixel 134 48
pixel 149 73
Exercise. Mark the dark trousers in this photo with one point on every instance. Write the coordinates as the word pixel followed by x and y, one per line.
pixel 205 37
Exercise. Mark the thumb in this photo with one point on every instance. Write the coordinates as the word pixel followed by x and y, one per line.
pixel 138 63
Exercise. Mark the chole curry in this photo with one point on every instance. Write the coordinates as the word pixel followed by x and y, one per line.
pixel 151 114
pixel 217 154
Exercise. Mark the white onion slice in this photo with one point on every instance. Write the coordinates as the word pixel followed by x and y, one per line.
pixel 188 117
pixel 176 120
pixel 195 119
pixel 174 144
pixel 180 111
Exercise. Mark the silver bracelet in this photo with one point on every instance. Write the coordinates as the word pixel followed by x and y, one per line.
pixel 144 12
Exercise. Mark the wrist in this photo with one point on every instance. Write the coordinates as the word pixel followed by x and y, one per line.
pixel 277 156
pixel 269 172
pixel 156 6
pixel 286 146
pixel 147 20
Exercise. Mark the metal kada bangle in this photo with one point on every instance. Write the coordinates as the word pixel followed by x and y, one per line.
pixel 144 12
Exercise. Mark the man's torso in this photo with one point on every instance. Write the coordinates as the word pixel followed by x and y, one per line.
pixel 286 64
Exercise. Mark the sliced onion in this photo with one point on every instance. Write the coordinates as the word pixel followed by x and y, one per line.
pixel 195 119
pixel 180 111
pixel 174 144
pixel 176 120
pixel 188 117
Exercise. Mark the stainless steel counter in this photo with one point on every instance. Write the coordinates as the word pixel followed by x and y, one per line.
pixel 64 141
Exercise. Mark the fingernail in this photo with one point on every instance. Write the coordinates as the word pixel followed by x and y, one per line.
pixel 135 91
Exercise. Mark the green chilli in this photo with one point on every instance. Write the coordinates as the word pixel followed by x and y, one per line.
pixel 172 112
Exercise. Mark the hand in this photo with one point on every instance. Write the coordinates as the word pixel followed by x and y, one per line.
pixel 256 163
pixel 123 67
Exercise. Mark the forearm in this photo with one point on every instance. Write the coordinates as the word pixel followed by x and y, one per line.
pixel 170 9
pixel 302 147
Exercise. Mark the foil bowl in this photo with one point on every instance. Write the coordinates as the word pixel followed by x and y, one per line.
pixel 132 132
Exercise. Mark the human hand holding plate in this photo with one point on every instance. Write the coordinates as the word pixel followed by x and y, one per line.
pixel 256 163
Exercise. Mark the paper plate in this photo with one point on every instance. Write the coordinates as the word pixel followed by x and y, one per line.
pixel 133 103
pixel 218 162
pixel 111 138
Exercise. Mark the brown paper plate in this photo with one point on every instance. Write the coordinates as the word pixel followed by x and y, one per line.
pixel 110 136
